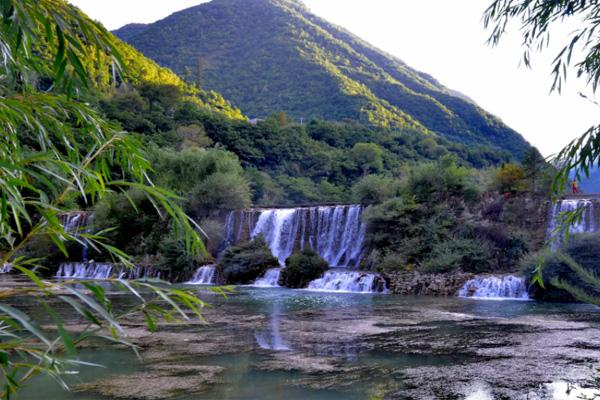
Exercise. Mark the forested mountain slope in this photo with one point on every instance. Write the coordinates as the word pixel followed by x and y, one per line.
pixel 275 55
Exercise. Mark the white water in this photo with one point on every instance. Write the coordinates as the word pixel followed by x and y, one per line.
pixel 336 233
pixel 76 223
pixel 93 270
pixel 495 288
pixel 5 268
pixel 204 276
pixel 85 270
pixel 348 281
pixel 270 279
pixel 279 228
pixel 587 224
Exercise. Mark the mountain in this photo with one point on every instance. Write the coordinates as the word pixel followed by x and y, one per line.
pixel 275 55
pixel 139 70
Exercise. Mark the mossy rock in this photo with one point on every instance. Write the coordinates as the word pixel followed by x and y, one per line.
pixel 301 268
pixel 242 264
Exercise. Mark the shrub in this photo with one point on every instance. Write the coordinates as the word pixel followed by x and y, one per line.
pixel 510 178
pixel 441 181
pixel 457 253
pixel 374 189
pixel 220 191
pixel 301 268
pixel 368 157
pixel 173 257
pixel 244 263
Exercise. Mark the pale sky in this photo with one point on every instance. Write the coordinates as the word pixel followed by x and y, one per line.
pixel 443 38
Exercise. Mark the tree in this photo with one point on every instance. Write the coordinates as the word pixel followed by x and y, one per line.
pixel 510 178
pixel 57 152
pixel 533 165
pixel 536 18
pixel 368 157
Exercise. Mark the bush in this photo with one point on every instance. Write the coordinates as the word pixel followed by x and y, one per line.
pixel 244 263
pixel 220 191
pixel 511 178
pixel 173 258
pixel 368 157
pixel 441 181
pixel 301 268
pixel 457 253
pixel 374 189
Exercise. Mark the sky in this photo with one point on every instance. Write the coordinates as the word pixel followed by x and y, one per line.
pixel 445 39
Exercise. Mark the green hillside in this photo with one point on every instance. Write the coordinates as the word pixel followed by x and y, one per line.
pixel 138 71
pixel 275 55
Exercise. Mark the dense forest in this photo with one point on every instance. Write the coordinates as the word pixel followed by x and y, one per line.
pixel 295 62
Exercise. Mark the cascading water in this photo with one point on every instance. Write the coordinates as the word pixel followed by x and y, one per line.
pixel 93 270
pixel 76 223
pixel 495 288
pixel 85 270
pixel 349 281
pixel 270 279
pixel 336 233
pixel 204 275
pixel 587 224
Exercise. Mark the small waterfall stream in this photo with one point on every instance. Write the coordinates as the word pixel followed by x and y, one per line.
pixel 204 275
pixel 270 279
pixel 76 223
pixel 589 223
pixel 495 288
pixel 349 281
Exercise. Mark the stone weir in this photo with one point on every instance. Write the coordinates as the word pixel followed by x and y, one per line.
pixel 334 232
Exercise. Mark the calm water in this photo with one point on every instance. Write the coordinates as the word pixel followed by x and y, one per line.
pixel 285 344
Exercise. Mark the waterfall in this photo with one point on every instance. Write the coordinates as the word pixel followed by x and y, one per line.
pixel 270 279
pixel 349 281
pixel 76 223
pixel 204 275
pixel 587 224
pixel 93 270
pixel 85 270
pixel 336 233
pixel 495 288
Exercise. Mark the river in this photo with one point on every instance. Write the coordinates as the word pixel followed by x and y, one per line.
pixel 295 344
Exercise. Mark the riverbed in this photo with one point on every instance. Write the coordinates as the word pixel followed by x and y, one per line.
pixel 273 343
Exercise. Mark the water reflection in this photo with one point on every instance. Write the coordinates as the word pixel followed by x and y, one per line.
pixel 271 338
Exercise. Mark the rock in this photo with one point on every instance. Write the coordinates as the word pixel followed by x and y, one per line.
pixel 417 283
pixel 162 381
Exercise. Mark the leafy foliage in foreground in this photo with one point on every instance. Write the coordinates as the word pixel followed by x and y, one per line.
pixel 58 154
pixel 269 56
pixel 569 273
